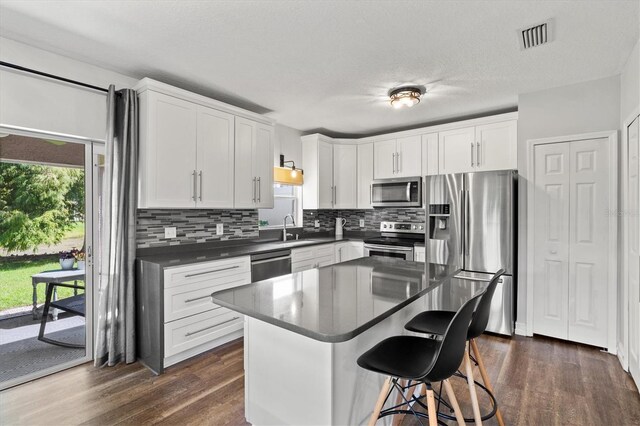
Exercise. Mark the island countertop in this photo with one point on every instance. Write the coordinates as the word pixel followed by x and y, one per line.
pixel 337 302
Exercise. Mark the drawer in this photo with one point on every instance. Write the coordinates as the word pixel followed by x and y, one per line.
pixel 325 250
pixel 301 254
pixel 184 275
pixel 190 299
pixel 196 330
pixel 325 260
pixel 303 265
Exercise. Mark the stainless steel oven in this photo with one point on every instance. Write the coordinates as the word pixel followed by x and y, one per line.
pixel 397 192
pixel 405 253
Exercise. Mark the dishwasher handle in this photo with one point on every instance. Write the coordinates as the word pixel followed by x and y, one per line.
pixel 271 259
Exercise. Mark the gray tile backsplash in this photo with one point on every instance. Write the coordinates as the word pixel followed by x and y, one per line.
pixel 194 226
pixel 372 218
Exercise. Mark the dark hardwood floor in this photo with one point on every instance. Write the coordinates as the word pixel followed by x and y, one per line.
pixel 538 381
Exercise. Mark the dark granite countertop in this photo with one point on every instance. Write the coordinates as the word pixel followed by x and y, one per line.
pixel 171 256
pixel 336 303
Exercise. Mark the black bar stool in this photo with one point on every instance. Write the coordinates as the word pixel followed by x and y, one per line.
pixel 422 360
pixel 436 322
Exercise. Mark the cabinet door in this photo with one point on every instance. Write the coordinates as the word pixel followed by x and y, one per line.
pixel 245 180
pixel 263 165
pixel 384 159
pixel 215 159
pixel 168 153
pixel 365 175
pixel 496 146
pixel 430 154
pixel 456 149
pixel 409 156
pixel 325 175
pixel 345 176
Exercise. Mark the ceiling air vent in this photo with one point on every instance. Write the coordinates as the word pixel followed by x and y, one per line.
pixel 536 35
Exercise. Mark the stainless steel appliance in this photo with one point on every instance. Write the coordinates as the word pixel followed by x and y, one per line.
pixel 472 224
pixel 397 240
pixel 397 192
pixel 269 265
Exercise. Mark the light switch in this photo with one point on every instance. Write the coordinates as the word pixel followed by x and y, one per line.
pixel 219 229
pixel 170 232
pixel 361 223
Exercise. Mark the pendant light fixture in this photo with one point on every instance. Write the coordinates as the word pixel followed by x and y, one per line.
pixel 406 96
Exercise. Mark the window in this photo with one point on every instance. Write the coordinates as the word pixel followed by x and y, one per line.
pixel 287 199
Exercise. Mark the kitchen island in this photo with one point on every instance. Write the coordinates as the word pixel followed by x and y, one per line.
pixel 304 332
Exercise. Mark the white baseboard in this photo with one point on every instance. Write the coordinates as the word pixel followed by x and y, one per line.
pixel 521 329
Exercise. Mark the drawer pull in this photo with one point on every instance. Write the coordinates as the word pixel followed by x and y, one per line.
pixel 191 333
pixel 197 298
pixel 211 272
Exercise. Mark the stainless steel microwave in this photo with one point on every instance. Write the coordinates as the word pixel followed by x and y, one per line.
pixel 397 192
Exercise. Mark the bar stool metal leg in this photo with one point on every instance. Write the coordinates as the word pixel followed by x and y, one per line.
pixel 472 387
pixel 381 399
pixel 397 419
pixel 485 377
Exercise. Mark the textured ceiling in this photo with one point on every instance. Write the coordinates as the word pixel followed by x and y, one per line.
pixel 324 65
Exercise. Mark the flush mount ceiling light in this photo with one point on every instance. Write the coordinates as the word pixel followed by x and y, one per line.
pixel 407 96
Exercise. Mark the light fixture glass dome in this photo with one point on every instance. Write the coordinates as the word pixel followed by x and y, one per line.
pixel 405 97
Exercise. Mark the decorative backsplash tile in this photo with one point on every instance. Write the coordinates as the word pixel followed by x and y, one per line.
pixel 194 226
pixel 372 218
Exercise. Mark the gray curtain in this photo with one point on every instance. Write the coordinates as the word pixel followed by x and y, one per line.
pixel 115 338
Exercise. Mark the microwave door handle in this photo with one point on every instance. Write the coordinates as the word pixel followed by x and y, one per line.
pixel 408 192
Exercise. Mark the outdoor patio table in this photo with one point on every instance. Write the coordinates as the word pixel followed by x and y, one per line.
pixel 59 276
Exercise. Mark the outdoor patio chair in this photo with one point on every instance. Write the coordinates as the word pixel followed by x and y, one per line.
pixel 74 304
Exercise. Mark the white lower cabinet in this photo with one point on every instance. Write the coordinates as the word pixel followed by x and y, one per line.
pixel 176 318
pixel 349 250
pixel 312 257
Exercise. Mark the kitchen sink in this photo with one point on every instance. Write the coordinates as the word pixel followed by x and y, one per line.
pixel 294 243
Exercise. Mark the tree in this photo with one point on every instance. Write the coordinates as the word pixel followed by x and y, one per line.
pixel 38 204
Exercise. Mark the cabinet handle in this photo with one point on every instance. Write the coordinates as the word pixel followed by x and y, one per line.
pixel 335 196
pixel 254 191
pixel 191 333
pixel 370 194
pixel 200 176
pixel 211 272
pixel 478 153
pixel 197 298
pixel 397 162
pixel 259 190
pixel 195 185
pixel 471 154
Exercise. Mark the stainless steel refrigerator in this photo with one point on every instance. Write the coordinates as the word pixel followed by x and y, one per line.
pixel 472 224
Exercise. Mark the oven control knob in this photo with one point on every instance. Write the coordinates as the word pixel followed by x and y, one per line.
pixel 421 227
pixel 414 227
pixel 384 226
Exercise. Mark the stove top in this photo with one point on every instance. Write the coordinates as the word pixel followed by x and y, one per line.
pixel 399 234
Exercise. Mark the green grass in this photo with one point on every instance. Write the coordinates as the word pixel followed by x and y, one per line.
pixel 77 231
pixel 15 282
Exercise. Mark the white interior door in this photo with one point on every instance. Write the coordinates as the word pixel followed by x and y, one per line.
pixel 551 239
pixel 215 159
pixel 633 235
pixel 588 252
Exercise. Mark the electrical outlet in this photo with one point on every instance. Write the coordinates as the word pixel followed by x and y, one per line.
pixel 219 229
pixel 170 232
pixel 316 224
pixel 361 223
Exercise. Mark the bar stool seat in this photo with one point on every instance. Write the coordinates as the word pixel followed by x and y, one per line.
pixel 430 322
pixel 401 356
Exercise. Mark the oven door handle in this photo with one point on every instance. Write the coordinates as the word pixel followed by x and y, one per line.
pixel 387 248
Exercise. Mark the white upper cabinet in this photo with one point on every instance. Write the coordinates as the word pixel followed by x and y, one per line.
pixel 430 154
pixel 191 149
pixel 409 156
pixel 496 146
pixel 344 176
pixel 215 158
pixel 330 174
pixel 456 149
pixel 384 157
pixel 365 175
pixel 253 165
pixel 398 157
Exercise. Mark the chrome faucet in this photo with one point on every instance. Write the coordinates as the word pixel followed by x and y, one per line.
pixel 284 227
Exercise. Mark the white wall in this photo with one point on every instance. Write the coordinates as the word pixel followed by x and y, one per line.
pixel 287 142
pixel 630 85
pixel 590 106
pixel 49 105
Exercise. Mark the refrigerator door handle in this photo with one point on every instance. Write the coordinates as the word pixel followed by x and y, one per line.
pixel 462 221
pixel 466 222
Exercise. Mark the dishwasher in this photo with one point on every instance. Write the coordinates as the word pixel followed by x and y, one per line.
pixel 269 265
